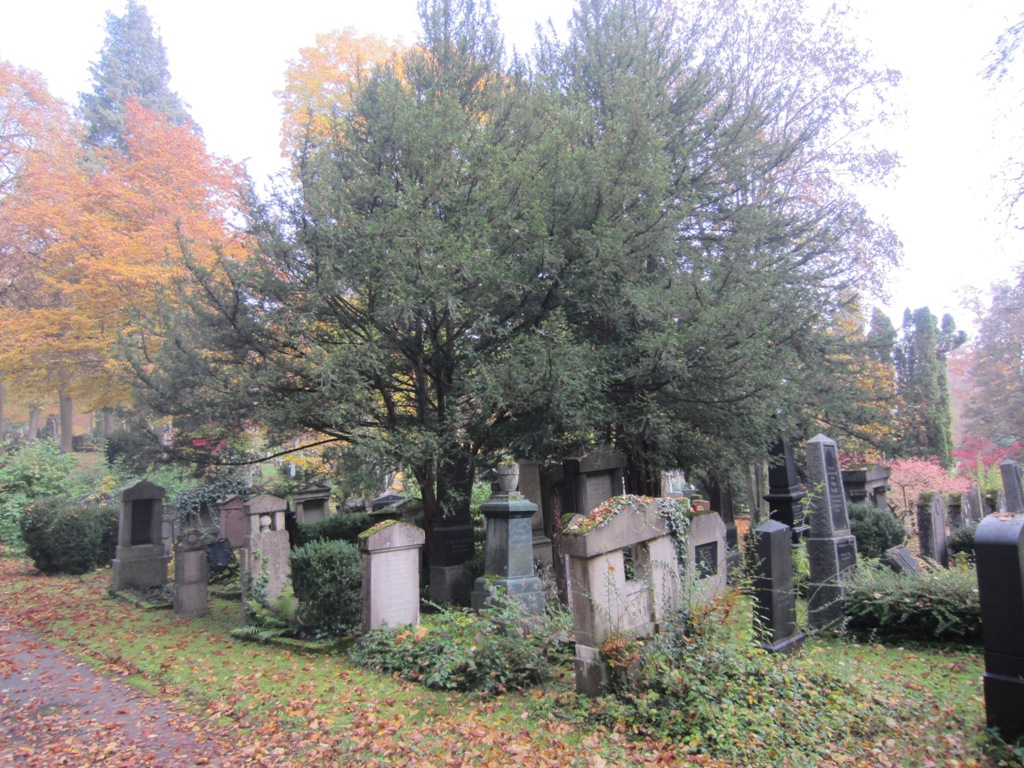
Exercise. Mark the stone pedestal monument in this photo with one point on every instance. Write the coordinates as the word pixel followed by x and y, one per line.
pixel 140 561
pixel 509 553
pixel 191 576
pixel 831 548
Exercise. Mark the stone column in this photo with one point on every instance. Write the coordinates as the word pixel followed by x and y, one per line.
pixel 831 548
pixel 191 576
pixel 509 553
pixel 774 593
pixel 999 552
pixel 391 574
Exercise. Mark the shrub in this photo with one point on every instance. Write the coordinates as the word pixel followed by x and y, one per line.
pixel 327 579
pixel 701 683
pixel 69 536
pixel 961 542
pixel 499 650
pixel 876 529
pixel 344 526
pixel 33 471
pixel 934 604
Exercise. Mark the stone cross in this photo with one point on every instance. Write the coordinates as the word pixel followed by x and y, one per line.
pixel 831 548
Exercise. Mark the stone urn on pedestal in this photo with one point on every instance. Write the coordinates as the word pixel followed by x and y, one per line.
pixel 508 475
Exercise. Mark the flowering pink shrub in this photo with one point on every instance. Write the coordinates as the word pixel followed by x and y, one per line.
pixel 912 477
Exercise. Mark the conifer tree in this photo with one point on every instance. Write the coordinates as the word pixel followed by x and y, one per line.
pixel 132 65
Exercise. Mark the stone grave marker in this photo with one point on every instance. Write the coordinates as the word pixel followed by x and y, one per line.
pixel 191 576
pixel 1013 490
pixel 999 554
pixel 591 480
pixel 266 547
pixel 312 504
pixel 867 484
pixel 606 598
pixel 140 560
pixel 931 528
pixel 508 561
pixel 955 511
pixel 531 488
pixel 785 494
pixel 972 507
pixel 234 525
pixel 451 545
pixel 706 562
pixel 774 593
pixel 391 574
pixel 901 560
pixel 831 548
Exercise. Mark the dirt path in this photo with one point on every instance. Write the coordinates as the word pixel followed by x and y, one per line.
pixel 57 711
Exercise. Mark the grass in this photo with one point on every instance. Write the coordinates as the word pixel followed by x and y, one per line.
pixel 298 709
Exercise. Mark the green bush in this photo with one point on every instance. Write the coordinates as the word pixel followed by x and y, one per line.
pixel 703 684
pixel 34 471
pixel 344 526
pixel 961 542
pixel 327 580
pixel 499 650
pixel 876 530
pixel 69 536
pixel 934 604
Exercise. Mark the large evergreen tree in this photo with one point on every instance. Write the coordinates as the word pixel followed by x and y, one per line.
pixel 132 65
pixel 629 245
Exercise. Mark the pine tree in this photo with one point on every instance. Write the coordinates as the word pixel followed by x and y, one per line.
pixel 132 65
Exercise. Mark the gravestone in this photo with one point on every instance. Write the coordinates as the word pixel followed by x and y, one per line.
pixel 785 495
pixel 721 497
pixel 901 560
pixel 141 560
pixel 1013 491
pixel 999 554
pixel 972 507
pixel 867 484
pixel 774 593
pixel 955 511
pixel 191 576
pixel 831 548
pixel 312 504
pixel 234 525
pixel 606 599
pixel 508 562
pixel 706 563
pixel 530 487
pixel 451 545
pixel 591 480
pixel 931 528
pixel 391 574
pixel 266 547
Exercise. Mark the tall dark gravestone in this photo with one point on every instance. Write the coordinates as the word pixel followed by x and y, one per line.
pixel 999 553
pixel 831 548
pixel 774 593
pixel 785 495
pixel 451 544
pixel 932 528
pixel 1013 491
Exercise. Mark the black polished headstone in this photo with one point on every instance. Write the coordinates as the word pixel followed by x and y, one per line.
pixel 999 554
pixel 774 594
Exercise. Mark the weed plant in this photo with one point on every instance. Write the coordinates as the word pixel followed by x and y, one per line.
pixel 699 684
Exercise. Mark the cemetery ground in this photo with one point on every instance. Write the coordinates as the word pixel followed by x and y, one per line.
pixel 219 701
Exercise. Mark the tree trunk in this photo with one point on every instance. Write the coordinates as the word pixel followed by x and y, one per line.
pixel 67 426
pixel 35 412
pixel 108 422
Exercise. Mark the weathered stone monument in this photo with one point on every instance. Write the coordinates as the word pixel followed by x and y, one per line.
pixel 932 528
pixel 508 561
pixel 531 488
pixel 140 561
pixel 785 495
pixel 831 548
pixel 999 553
pixel 720 495
pixel 774 593
pixel 590 481
pixel 267 548
pixel 391 574
pixel 191 576
pixel 955 511
pixel 624 579
pixel 451 545
pixel 1013 490
pixel 706 563
pixel 900 560
pixel 867 484
pixel 972 507
pixel 234 526
pixel 312 504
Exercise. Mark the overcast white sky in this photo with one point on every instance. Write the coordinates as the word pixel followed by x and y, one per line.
pixel 227 57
